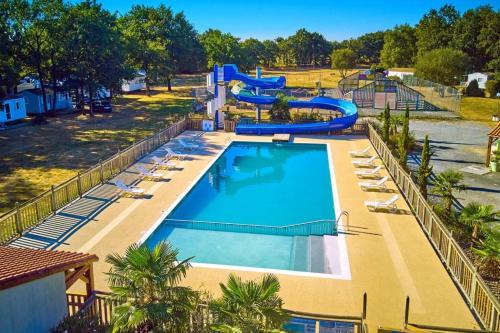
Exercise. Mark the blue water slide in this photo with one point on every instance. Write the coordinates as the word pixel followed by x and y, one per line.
pixel 231 72
pixel 349 116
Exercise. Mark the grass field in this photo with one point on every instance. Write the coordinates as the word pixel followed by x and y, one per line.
pixel 479 109
pixel 307 78
pixel 35 157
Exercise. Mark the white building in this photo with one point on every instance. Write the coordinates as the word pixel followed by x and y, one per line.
pixel 399 73
pixel 12 108
pixel 137 83
pixel 481 78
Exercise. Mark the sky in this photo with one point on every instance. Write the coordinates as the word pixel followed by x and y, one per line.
pixel 336 20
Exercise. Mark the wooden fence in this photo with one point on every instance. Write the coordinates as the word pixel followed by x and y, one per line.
pixel 470 283
pixel 34 211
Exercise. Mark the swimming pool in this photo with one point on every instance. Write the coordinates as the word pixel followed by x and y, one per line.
pixel 240 211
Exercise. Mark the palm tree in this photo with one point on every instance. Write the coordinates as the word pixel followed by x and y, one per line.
pixel 145 284
pixel 444 185
pixel 488 251
pixel 249 306
pixel 475 215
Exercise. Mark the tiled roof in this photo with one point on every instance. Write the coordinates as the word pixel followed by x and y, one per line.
pixel 20 265
pixel 495 132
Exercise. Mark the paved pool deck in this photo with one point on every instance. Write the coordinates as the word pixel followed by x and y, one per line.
pixel 389 256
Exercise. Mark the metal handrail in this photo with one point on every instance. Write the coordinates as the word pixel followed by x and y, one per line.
pixel 284 228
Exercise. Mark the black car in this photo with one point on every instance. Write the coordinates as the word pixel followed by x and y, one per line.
pixel 102 106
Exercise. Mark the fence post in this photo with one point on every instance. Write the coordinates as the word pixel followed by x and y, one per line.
pixel 448 251
pixel 53 199
pixel 120 159
pixel 79 183
pixel 37 210
pixel 101 171
pixel 365 303
pixel 18 220
pixel 407 311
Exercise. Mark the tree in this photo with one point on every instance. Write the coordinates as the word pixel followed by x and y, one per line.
pixel 343 60
pixel 249 306
pixel 10 52
pixel 404 141
pixel 493 87
pixel 445 66
pixel 253 52
pixel 285 54
pixel 399 48
pixel 436 29
pixel 472 90
pixel 387 123
pixel 477 33
pixel 221 48
pixel 488 251
pixel 446 182
pixel 145 284
pixel 309 48
pixel 280 109
pixel 270 53
pixel 425 169
pixel 475 215
pixel 368 47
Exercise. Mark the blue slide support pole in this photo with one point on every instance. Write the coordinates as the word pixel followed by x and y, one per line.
pixel 216 76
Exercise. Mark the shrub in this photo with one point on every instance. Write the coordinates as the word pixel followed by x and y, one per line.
pixel 472 90
pixel 492 87
pixel 306 116
pixel 488 252
pixel 78 324
pixel 280 110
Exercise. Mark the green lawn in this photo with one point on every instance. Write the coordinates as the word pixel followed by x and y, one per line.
pixel 35 157
pixel 479 109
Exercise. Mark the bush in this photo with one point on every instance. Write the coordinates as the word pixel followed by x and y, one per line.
pixel 492 87
pixel 78 324
pixel 472 90
pixel 307 116
pixel 280 110
pixel 394 78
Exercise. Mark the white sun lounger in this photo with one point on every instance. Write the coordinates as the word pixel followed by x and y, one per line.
pixel 389 205
pixel 365 162
pixel 360 153
pixel 163 164
pixel 173 154
pixel 188 145
pixel 378 185
pixel 129 190
pixel 148 174
pixel 373 173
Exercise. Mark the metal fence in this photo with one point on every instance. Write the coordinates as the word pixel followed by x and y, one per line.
pixel 441 96
pixel 32 212
pixel 461 269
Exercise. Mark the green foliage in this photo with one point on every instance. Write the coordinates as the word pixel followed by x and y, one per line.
pixel 343 60
pixel 387 123
pixel 472 90
pixel 80 324
pixel 306 116
pixel 488 251
pixel 249 306
pixel 445 183
pixel 221 48
pixel 403 146
pixel 493 87
pixel 399 47
pixel 310 48
pixel 445 66
pixel 425 169
pixel 475 215
pixel 145 284
pixel 280 110
pixel 436 29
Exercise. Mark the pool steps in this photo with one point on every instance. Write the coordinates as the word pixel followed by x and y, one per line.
pixel 308 254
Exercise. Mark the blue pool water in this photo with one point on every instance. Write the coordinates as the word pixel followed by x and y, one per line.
pixel 265 184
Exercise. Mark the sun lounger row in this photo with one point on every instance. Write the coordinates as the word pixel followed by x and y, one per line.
pixel 369 162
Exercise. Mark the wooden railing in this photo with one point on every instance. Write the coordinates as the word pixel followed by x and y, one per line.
pixel 34 211
pixel 461 269
pixel 97 305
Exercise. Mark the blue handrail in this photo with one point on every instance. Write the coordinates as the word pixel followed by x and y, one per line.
pixel 317 227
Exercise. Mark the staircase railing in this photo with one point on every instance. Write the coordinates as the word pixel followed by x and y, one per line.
pixel 316 227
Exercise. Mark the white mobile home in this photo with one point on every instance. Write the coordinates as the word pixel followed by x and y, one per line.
pixel 137 83
pixel 12 108
pixel 481 79
pixel 399 73
pixel 34 100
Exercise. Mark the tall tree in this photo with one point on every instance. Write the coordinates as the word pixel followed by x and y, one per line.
pixel 369 46
pixel 270 53
pixel 249 306
pixel 399 48
pixel 343 60
pixel 425 169
pixel 387 124
pixel 10 61
pixel 445 66
pixel 221 48
pixel 252 52
pixel 436 29
pixel 145 284
pixel 477 33
pixel 404 141
pixel 285 51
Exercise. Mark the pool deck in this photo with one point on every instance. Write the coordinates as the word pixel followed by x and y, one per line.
pixel 389 256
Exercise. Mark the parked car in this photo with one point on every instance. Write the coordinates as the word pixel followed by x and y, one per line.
pixel 102 106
